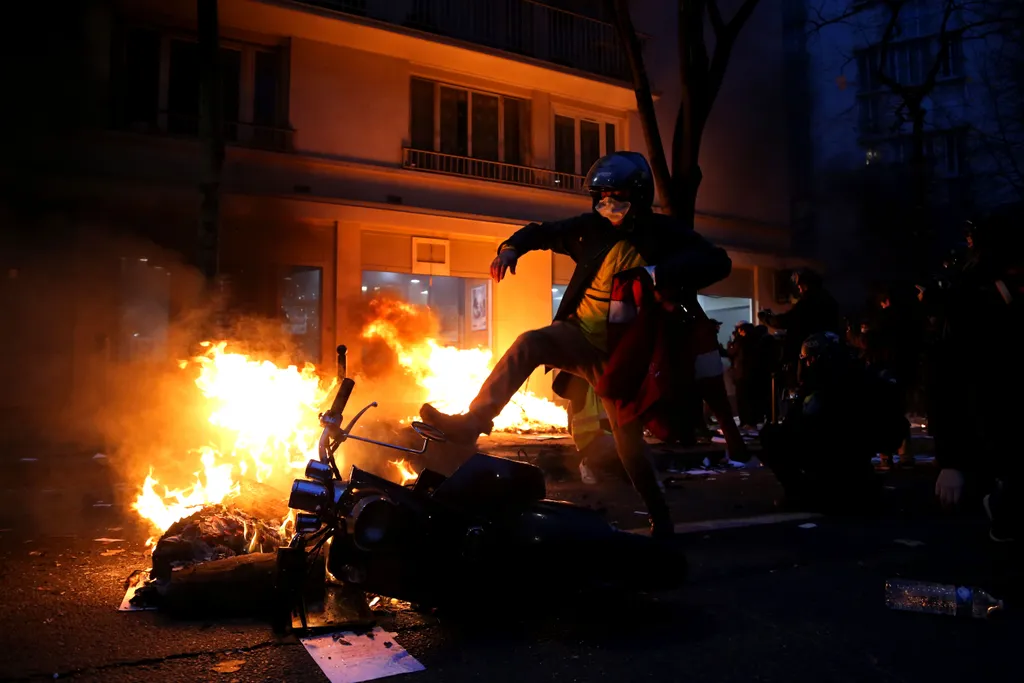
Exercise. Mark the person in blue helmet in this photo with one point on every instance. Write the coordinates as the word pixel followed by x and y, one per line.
pixel 621 234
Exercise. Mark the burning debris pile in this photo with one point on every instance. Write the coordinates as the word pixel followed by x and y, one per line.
pixel 212 533
pixel 262 428
pixel 450 377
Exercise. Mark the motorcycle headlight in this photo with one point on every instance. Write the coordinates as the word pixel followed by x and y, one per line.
pixel 308 496
pixel 373 520
pixel 319 471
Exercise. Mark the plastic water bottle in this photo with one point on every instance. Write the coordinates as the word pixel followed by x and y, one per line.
pixel 938 598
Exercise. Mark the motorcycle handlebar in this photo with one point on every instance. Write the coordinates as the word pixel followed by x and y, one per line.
pixel 344 392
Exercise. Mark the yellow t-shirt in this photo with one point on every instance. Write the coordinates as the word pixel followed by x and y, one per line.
pixel 592 313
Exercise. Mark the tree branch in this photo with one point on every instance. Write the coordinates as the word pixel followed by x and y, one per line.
pixel 644 100
pixel 723 51
pixel 715 17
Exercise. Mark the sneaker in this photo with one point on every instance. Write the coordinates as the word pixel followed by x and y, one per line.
pixel 465 429
pixel 586 474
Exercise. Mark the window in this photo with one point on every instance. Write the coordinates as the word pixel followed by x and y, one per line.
pixel 300 290
pixel 908 62
pixel 945 151
pixel 581 142
pixel 467 123
pixel 452 300
pixel 874 117
pixel 951 61
pixel 160 85
pixel 557 292
pixel 730 311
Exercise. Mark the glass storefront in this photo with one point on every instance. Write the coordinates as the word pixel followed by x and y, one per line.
pixel 462 305
pixel 730 311
pixel 557 292
pixel 300 290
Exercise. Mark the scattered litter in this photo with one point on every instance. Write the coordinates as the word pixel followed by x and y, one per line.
pixel 909 542
pixel 101 504
pixel 99 456
pixel 137 580
pixel 28 459
pixel 111 553
pixel 109 540
pixel 639 512
pixel 363 659
pixel 36 553
pixel 228 666
pixel 374 601
pixel 808 525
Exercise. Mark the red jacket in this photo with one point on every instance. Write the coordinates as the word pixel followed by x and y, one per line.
pixel 653 347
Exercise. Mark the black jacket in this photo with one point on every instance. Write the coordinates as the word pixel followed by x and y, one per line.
pixel 815 312
pixel 683 260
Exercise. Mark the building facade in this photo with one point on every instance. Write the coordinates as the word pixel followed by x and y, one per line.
pixel 377 145
pixel 862 133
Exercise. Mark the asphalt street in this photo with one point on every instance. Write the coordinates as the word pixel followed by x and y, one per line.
pixel 771 602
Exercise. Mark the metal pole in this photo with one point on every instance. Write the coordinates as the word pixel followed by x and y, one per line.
pixel 775 400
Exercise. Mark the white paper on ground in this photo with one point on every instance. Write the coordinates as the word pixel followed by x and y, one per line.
pixel 126 603
pixel 363 659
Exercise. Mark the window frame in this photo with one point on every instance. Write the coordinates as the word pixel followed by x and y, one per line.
pixel 470 91
pixel 246 84
pixel 578 115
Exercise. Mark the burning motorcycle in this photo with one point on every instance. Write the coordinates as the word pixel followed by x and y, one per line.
pixel 487 529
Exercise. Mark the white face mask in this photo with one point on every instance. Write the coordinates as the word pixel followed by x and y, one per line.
pixel 612 209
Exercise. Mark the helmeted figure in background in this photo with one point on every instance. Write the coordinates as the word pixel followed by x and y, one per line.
pixel 622 235
pixel 815 311
pixel 843 414
pixel 973 383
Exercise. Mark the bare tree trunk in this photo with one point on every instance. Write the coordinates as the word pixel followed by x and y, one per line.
pixel 211 133
pixel 919 171
pixel 644 102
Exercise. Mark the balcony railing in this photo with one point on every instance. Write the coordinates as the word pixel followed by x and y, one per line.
pixel 448 164
pixel 524 27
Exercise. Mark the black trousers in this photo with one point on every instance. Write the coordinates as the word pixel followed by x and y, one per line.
pixel 817 473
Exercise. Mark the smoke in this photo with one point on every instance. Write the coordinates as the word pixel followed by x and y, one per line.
pixel 99 322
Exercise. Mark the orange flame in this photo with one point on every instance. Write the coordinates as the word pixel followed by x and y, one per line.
pixel 267 416
pixel 451 376
pixel 404 471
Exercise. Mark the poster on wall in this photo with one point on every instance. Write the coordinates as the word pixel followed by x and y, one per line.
pixel 478 321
